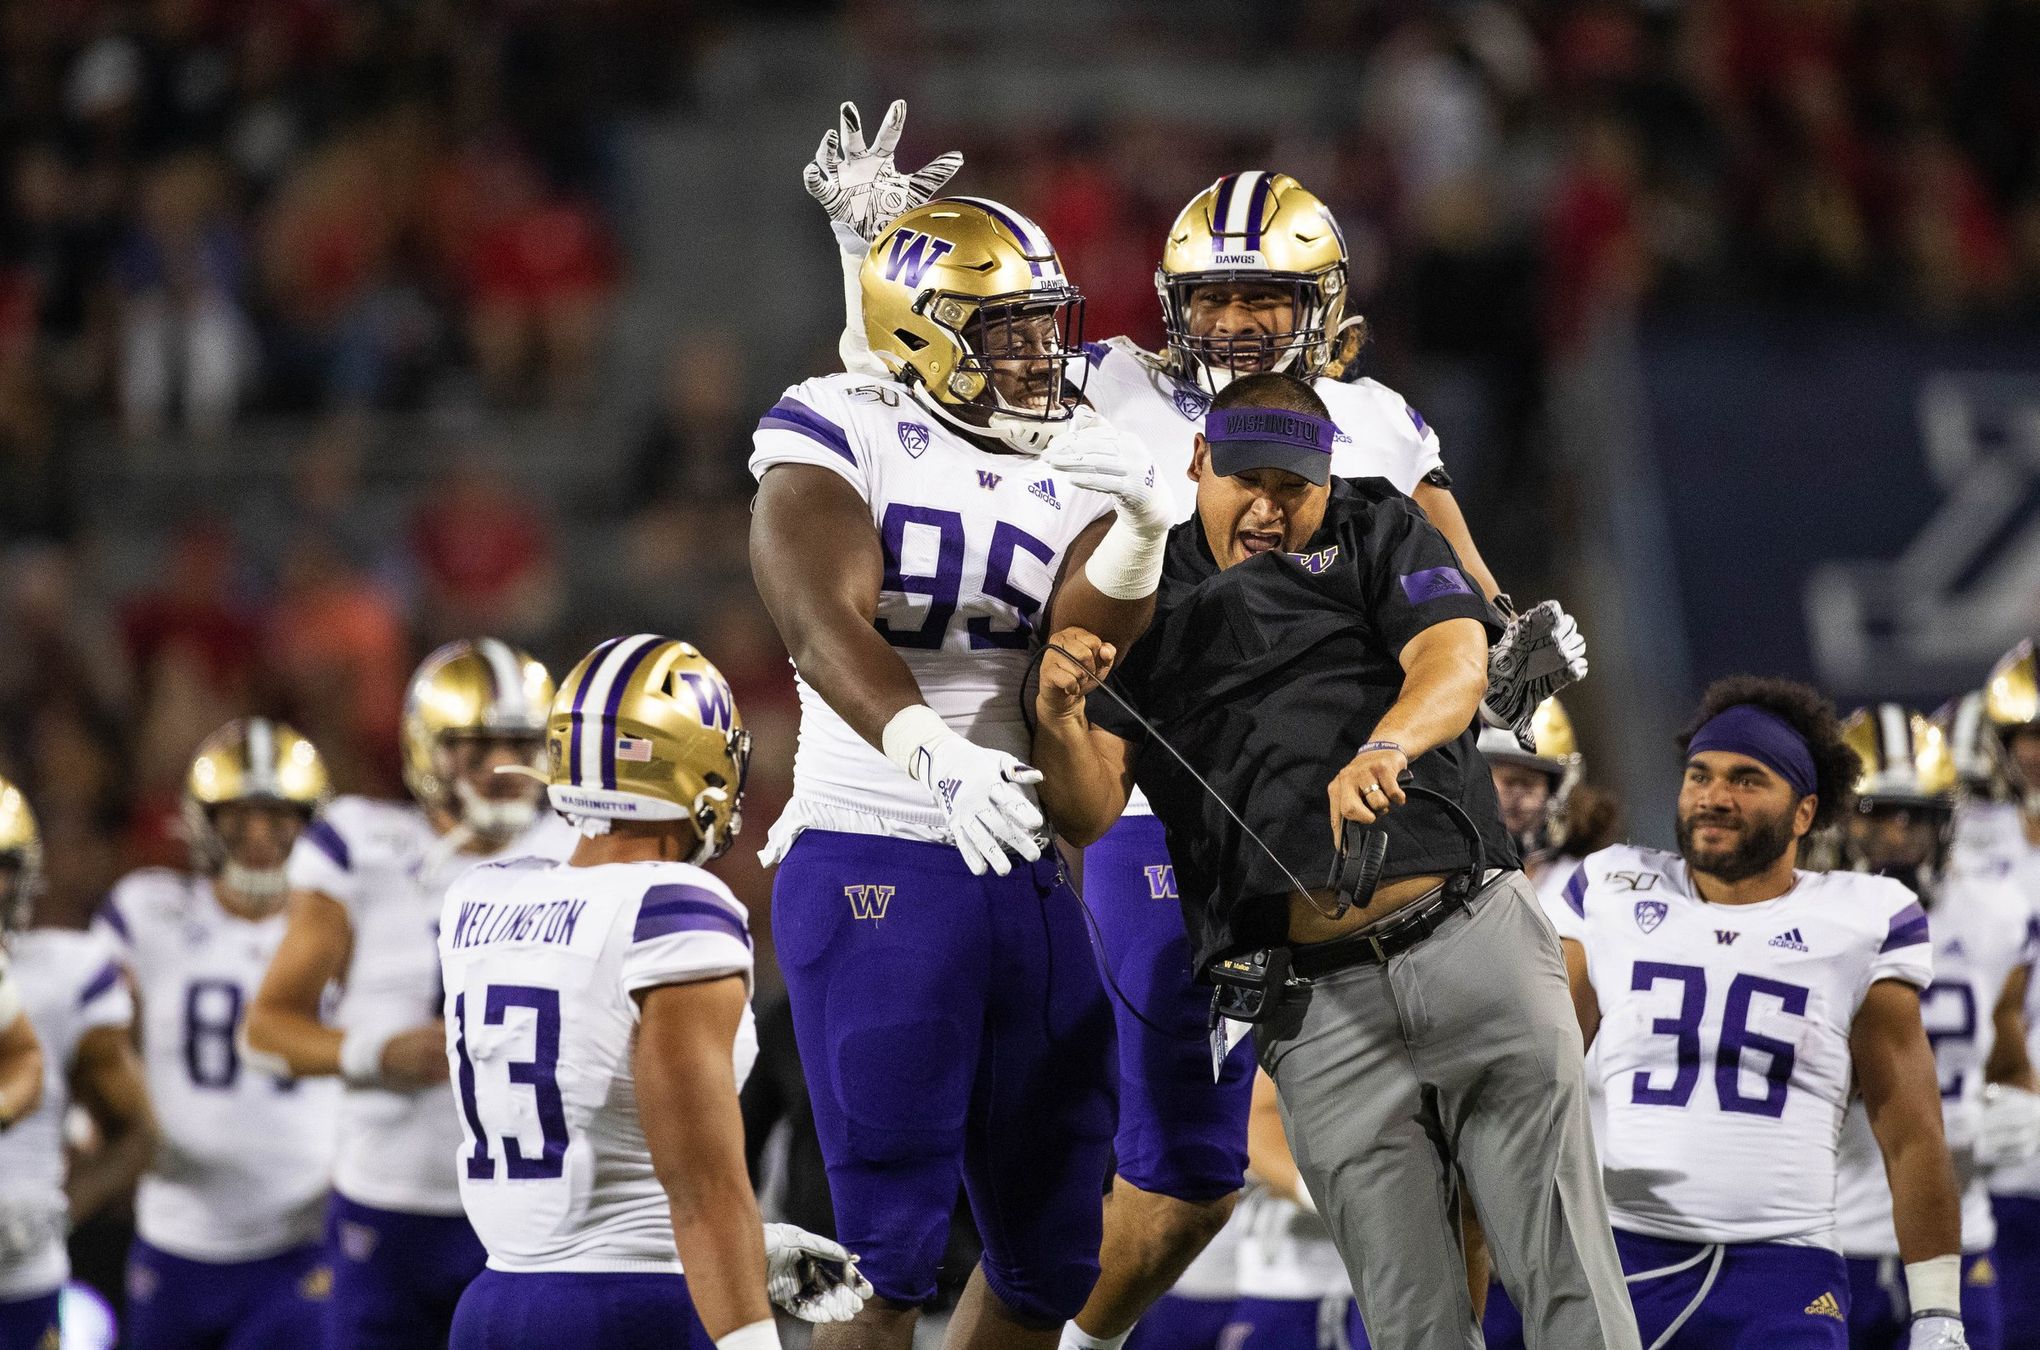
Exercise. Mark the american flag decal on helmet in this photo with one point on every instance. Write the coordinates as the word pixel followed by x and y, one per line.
pixel 634 748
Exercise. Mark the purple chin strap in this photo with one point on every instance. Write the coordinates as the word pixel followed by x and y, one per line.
pixel 1765 737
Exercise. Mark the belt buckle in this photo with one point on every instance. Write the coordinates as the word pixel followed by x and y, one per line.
pixel 1374 944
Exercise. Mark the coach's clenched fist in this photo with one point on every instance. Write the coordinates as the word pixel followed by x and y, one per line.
pixel 1065 681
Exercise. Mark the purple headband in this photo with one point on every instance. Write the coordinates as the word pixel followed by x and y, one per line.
pixel 1765 737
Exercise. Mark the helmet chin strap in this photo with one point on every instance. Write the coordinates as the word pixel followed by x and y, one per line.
pixel 1027 435
pixel 259 888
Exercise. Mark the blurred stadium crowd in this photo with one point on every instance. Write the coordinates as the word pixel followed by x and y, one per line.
pixel 327 221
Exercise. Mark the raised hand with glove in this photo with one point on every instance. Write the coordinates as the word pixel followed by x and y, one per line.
pixel 980 792
pixel 1541 652
pixel 811 1277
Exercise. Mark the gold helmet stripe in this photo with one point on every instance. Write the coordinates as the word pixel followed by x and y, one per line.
pixel 594 747
pixel 503 669
pixel 261 751
pixel 1033 239
pixel 1238 210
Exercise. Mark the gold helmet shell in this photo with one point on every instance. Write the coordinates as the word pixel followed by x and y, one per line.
pixel 1557 756
pixel 20 846
pixel 2011 693
pixel 1973 744
pixel 939 284
pixel 469 687
pixel 1903 759
pixel 645 728
pixel 1255 227
pixel 248 759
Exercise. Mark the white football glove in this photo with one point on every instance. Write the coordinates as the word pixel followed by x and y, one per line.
pixel 859 186
pixel 1933 1331
pixel 1541 652
pixel 979 793
pixel 1095 455
pixel 811 1277
pixel 2009 1131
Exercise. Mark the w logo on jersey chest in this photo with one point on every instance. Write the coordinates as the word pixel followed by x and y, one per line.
pixel 1161 880
pixel 868 902
pixel 1318 563
pixel 911 255
pixel 1650 913
pixel 987 479
pixel 1726 936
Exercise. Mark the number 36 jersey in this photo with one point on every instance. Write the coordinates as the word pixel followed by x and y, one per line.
pixel 241 1173
pixel 541 962
pixel 973 543
pixel 1724 1039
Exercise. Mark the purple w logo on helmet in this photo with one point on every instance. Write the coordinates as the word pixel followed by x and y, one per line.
pixel 912 254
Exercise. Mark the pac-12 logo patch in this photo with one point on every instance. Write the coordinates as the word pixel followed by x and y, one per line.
pixel 1649 914
pixel 913 438
pixel 868 902
pixel 1190 403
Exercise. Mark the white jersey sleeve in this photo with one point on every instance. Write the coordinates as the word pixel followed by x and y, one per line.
pixel 541 963
pixel 70 984
pixel 1380 435
pixel 973 542
pixel 1725 1035
pixel 241 1173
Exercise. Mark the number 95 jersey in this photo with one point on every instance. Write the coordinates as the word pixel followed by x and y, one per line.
pixel 973 543
pixel 541 961
pixel 1724 1039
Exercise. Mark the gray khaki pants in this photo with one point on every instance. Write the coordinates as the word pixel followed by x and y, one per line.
pixel 1463 1051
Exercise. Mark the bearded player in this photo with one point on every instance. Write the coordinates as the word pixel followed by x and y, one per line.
pixel 366 879
pixel 1253 277
pixel 599 1027
pixel 228 1217
pixel 911 534
pixel 1984 937
pixel 1736 998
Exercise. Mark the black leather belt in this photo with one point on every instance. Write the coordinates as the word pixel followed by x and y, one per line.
pixel 1382 941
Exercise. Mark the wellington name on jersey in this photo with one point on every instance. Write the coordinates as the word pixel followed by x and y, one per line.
pixel 973 544
pixel 541 963
pixel 1983 930
pixel 384 863
pixel 245 1157
pixel 70 984
pixel 1724 1039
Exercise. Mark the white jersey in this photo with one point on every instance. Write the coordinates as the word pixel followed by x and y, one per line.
pixel 70 984
pixel 1724 1039
pixel 1550 885
pixel 1378 434
pixel 541 962
pixel 384 863
pixel 1983 930
pixel 243 1167
pixel 1990 841
pixel 973 543
pixel 1286 1251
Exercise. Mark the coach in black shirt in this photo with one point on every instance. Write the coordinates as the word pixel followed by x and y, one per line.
pixel 1313 639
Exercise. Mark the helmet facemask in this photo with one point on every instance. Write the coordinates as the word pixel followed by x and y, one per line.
pixel 492 805
pixel 1920 862
pixel 220 844
pixel 20 878
pixel 1021 378
pixel 1214 360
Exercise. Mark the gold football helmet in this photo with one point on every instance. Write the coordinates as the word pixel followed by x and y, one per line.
pixel 1904 759
pixel 250 759
pixel 474 691
pixel 2011 700
pixel 20 854
pixel 1973 745
pixel 1254 227
pixel 966 302
pixel 1557 756
pixel 645 728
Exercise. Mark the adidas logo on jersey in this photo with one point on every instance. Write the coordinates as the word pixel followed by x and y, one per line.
pixel 1045 489
pixel 1826 1306
pixel 1790 941
pixel 949 787
pixel 1726 937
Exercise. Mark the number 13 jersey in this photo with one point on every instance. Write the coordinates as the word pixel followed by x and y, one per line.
pixel 1724 1039
pixel 541 964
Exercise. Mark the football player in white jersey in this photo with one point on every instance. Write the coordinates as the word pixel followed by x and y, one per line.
pixel 1735 998
pixel 366 878
pixel 598 1028
pixel 912 536
pixel 21 1061
pixel 1253 277
pixel 1984 936
pixel 70 988
pixel 227 1219
pixel 1998 833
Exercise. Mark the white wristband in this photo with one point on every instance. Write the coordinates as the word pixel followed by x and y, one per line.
pixel 1127 564
pixel 760 1335
pixel 853 348
pixel 1935 1285
pixel 911 731
pixel 361 1056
